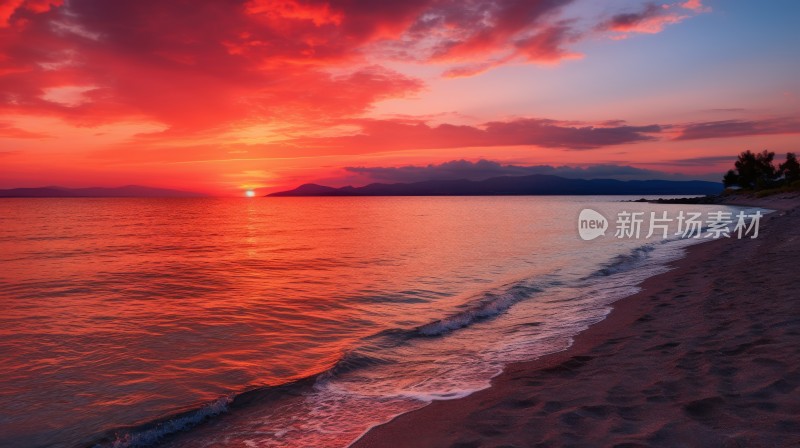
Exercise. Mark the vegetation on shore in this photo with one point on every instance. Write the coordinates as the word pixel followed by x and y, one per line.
pixel 756 173
pixel 753 174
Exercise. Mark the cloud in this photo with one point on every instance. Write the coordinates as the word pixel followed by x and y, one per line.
pixel 695 5
pixel 546 46
pixel 554 134
pixel 357 136
pixel 198 67
pixel 480 35
pixel 389 135
pixel 738 128
pixel 224 62
pixel 727 109
pixel 699 161
pixel 10 131
pixel 514 30
pixel 484 169
pixel 9 7
pixel 217 63
pixel 651 19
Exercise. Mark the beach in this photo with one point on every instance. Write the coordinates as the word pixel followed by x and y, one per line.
pixel 705 355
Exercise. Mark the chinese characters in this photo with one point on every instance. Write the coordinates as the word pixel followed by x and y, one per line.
pixel 716 224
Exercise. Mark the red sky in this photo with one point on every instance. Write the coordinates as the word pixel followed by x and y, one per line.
pixel 224 96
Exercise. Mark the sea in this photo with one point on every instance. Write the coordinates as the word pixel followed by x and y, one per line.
pixel 289 322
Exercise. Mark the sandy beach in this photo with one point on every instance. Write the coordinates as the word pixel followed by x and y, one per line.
pixel 705 355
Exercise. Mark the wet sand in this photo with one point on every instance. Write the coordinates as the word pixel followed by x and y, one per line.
pixel 706 355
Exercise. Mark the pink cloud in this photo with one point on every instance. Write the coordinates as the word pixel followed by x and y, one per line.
pixel 695 5
pixel 652 19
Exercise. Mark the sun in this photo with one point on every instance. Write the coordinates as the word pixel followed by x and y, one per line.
pixel 250 193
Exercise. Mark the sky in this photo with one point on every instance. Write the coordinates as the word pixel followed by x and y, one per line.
pixel 225 96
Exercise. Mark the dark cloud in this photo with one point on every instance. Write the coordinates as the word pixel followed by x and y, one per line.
pixel 700 161
pixel 651 18
pixel 485 26
pixel 738 128
pixel 484 169
pixel 553 134
pixel 387 135
pixel 632 20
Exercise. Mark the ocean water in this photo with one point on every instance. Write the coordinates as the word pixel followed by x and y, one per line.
pixel 288 322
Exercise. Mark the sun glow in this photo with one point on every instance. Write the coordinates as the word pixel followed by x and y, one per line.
pixel 250 193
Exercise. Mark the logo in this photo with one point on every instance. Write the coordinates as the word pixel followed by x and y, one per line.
pixel 635 224
pixel 591 224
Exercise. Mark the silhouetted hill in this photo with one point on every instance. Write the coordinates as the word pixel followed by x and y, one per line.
pixel 536 184
pixel 129 191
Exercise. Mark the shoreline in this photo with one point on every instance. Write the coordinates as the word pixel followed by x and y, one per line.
pixel 631 378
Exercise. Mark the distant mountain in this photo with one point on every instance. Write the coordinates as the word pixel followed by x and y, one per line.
pixel 535 184
pixel 129 191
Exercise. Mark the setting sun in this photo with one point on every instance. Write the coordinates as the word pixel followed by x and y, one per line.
pixel 250 193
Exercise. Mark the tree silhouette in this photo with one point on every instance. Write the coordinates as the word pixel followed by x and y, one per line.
pixel 790 169
pixel 730 179
pixel 753 170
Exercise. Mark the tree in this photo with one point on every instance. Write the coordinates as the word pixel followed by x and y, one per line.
pixel 753 170
pixel 790 169
pixel 730 179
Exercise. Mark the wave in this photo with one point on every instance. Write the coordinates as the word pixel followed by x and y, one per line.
pixel 488 305
pixel 151 433
pixel 624 262
pixel 492 306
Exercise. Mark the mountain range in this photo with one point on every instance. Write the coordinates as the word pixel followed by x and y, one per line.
pixel 128 191
pixel 535 184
